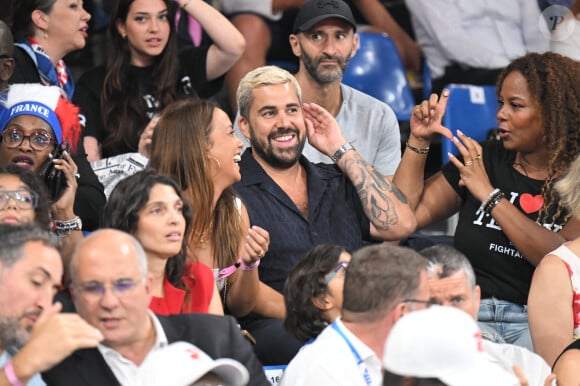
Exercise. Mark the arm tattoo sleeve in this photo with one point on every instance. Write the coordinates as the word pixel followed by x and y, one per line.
pixel 376 193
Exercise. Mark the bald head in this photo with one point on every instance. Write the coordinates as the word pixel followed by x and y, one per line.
pixel 107 245
pixel 6 40
pixel 6 51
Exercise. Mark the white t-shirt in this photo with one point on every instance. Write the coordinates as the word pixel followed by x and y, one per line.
pixel 329 361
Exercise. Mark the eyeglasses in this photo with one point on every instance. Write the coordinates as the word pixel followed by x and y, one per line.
pixel 24 198
pixel 342 265
pixel 39 139
pixel 426 303
pixel 119 287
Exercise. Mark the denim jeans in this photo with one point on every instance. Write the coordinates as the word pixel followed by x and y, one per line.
pixel 508 320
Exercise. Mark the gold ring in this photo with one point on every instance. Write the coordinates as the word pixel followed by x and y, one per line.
pixel 477 157
pixel 261 253
pixel 468 163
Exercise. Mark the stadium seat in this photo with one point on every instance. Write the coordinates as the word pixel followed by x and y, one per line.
pixel 274 373
pixel 377 70
pixel 471 109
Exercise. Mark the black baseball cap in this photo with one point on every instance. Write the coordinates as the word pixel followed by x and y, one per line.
pixel 315 11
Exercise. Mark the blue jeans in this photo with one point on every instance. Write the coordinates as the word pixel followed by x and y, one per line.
pixel 508 320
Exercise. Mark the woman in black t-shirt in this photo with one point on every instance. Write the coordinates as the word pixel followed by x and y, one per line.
pixel 509 215
pixel 145 72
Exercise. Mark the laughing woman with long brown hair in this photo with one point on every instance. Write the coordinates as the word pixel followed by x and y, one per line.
pixel 194 142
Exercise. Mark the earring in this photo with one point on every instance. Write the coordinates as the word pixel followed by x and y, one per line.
pixel 219 164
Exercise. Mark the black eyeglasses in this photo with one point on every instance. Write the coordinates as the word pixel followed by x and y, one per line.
pixel 13 137
pixel 426 303
pixel 24 198
pixel 342 265
pixel 98 289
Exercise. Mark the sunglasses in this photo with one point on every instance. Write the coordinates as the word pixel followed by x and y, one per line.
pixel 119 287
pixel 341 266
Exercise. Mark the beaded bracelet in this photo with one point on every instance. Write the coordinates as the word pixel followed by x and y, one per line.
pixel 11 375
pixel 250 267
pixel 491 201
pixel 424 150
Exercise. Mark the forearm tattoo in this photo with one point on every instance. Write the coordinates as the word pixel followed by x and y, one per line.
pixel 376 193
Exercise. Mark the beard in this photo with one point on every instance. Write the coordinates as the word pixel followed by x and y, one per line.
pixel 11 332
pixel 322 74
pixel 281 159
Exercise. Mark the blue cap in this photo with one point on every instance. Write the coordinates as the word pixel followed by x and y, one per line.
pixel 36 109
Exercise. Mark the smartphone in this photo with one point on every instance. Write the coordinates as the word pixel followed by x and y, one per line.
pixel 54 179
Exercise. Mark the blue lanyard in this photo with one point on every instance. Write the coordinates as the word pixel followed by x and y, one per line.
pixel 359 361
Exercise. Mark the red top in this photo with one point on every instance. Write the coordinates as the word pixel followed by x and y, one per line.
pixel 198 280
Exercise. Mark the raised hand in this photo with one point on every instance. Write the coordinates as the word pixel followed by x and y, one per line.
pixel 63 208
pixel 322 129
pixel 426 117
pixel 144 146
pixel 54 337
pixel 472 170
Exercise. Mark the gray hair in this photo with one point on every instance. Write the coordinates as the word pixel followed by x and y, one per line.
pixel 140 254
pixel 444 260
pixel 13 238
pixel 262 76
pixel 378 277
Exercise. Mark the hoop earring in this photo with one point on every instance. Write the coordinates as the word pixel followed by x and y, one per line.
pixel 219 164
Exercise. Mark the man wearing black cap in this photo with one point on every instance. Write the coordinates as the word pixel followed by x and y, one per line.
pixel 324 40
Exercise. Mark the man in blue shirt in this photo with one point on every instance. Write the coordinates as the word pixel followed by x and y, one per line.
pixel 303 204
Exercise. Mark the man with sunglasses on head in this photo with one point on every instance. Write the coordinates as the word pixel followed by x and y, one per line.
pixel 111 290
pixel 382 283
pixel 452 283
pixel 34 336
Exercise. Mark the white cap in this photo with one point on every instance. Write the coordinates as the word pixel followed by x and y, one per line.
pixel 443 343
pixel 182 364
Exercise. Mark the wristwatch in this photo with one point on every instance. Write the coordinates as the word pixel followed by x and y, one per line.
pixel 63 228
pixel 340 152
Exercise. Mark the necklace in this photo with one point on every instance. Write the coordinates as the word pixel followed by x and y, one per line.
pixel 202 238
pixel 523 164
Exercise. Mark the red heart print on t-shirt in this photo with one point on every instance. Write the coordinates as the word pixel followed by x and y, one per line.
pixel 531 204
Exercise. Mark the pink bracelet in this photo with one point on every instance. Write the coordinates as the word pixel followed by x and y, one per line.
pixel 227 271
pixel 250 267
pixel 10 375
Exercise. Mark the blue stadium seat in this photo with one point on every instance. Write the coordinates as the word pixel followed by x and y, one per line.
pixel 471 109
pixel 377 70
pixel 427 79
pixel 274 373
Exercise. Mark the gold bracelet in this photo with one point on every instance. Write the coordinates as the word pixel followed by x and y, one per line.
pixel 185 4
pixel 424 150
